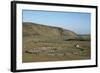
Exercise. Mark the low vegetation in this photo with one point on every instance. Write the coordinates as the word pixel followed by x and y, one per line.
pixel 45 43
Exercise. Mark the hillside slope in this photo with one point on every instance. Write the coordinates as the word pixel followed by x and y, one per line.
pixel 43 43
pixel 46 32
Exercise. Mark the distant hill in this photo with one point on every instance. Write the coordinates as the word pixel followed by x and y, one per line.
pixel 44 32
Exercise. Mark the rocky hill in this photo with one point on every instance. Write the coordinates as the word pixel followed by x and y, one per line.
pixel 44 32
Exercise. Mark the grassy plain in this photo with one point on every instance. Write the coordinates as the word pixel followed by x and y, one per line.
pixel 55 50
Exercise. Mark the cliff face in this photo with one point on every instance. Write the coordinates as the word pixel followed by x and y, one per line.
pixel 47 32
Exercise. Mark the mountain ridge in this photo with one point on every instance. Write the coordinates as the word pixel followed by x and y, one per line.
pixel 35 29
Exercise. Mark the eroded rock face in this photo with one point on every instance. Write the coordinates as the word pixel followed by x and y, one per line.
pixel 49 32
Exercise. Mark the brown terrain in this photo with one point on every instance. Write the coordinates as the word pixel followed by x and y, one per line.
pixel 43 43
